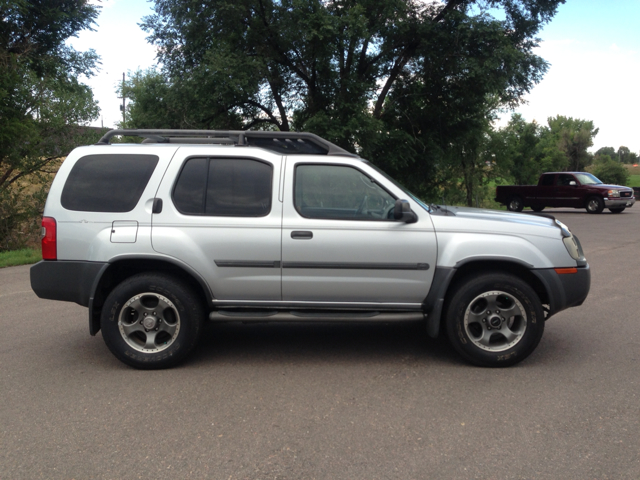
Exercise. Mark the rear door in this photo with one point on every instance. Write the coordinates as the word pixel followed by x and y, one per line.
pixel 545 191
pixel 222 216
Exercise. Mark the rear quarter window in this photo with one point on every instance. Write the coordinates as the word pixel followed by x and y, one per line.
pixel 107 183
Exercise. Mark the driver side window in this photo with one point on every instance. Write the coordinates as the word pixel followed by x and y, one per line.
pixel 339 192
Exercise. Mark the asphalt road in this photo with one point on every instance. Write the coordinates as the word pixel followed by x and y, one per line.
pixel 370 401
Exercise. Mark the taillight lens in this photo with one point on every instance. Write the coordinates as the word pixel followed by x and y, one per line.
pixel 49 247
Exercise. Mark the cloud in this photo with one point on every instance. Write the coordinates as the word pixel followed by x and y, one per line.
pixel 590 82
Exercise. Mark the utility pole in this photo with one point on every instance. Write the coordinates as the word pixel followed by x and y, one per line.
pixel 123 97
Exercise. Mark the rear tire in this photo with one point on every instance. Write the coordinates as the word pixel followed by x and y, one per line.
pixel 494 320
pixel 594 205
pixel 151 321
pixel 515 204
pixel 537 209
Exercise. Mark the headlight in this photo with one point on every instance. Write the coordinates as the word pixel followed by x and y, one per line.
pixel 613 193
pixel 573 247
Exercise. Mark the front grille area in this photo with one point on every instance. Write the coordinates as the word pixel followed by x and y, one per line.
pixel 625 194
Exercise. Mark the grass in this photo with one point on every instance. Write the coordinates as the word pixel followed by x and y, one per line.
pixel 634 171
pixel 26 256
pixel 634 181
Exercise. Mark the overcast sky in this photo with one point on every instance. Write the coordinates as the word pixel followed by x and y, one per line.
pixel 593 47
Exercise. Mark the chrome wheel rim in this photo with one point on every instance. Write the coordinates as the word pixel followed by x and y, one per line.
pixel 514 205
pixel 149 322
pixel 593 205
pixel 495 321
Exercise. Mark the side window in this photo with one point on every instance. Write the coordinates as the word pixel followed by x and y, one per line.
pixel 564 179
pixel 107 183
pixel 340 193
pixel 227 187
pixel 547 180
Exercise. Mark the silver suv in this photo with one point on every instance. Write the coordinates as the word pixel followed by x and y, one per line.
pixel 276 226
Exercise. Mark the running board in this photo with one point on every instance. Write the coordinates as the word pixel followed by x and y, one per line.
pixel 302 316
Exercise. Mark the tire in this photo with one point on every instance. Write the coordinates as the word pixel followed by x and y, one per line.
pixel 494 339
pixel 515 204
pixel 594 205
pixel 537 209
pixel 617 209
pixel 151 321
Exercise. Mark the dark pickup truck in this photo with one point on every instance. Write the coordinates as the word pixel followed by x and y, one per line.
pixel 566 189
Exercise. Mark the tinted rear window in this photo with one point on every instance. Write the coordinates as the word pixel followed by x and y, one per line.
pixel 107 183
pixel 238 187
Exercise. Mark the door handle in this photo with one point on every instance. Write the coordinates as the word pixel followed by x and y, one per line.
pixel 301 235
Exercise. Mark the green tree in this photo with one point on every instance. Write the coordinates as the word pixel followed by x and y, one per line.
pixel 517 151
pixel 41 100
pixel 401 82
pixel 565 143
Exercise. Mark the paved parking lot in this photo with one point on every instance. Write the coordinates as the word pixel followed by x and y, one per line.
pixel 366 401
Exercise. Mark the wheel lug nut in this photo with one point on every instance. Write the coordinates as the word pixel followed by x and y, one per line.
pixel 488 328
pixel 498 312
pixel 484 320
pixel 145 314
pixel 488 312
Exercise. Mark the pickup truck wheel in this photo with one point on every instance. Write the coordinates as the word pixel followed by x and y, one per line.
pixel 594 205
pixel 151 321
pixel 494 320
pixel 537 209
pixel 617 210
pixel 515 204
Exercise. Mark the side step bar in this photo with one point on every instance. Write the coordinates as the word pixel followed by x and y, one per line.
pixel 302 316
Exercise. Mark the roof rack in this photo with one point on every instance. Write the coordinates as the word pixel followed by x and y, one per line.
pixel 280 142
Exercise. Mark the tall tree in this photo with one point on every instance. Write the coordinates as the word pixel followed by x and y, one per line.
pixel 40 95
pixel 398 81
pixel 565 143
pixel 517 151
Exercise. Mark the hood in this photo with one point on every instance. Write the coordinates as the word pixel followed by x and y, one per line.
pixel 612 187
pixel 485 220
pixel 543 219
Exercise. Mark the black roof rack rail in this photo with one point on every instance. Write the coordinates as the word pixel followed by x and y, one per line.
pixel 280 142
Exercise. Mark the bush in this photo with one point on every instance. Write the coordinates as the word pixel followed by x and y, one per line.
pixel 610 171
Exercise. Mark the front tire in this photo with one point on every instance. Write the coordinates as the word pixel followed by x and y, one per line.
pixel 594 205
pixel 617 210
pixel 537 209
pixel 494 320
pixel 151 321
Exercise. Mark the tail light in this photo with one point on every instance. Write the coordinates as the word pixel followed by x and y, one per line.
pixel 49 246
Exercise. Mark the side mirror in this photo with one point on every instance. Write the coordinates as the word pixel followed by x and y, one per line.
pixel 402 211
pixel 573 183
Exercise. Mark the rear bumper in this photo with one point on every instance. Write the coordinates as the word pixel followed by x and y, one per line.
pixel 565 291
pixel 68 281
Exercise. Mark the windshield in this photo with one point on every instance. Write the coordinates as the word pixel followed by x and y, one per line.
pixel 392 180
pixel 587 179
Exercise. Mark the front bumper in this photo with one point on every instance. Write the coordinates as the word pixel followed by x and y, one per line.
pixel 69 281
pixel 566 290
pixel 619 202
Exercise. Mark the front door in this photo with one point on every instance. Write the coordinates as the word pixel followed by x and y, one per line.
pixel 341 245
pixel 567 194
